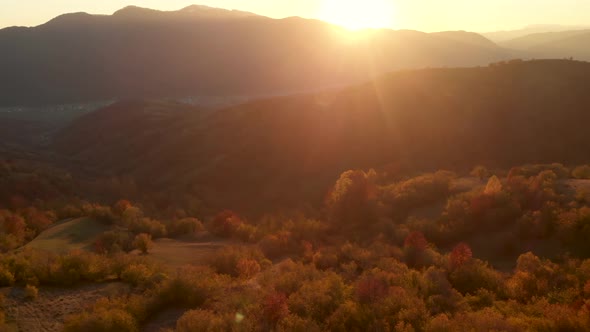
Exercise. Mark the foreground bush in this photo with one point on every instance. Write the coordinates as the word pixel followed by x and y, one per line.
pixel 102 320
pixel 31 292
pixel 225 224
pixel 185 226
pixel 139 274
pixel 143 242
pixel 234 260
pixel 201 320
pixel 191 287
pixel 581 172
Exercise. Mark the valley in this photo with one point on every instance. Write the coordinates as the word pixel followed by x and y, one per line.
pixel 213 169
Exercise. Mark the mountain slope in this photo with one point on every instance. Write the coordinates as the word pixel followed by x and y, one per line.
pixel 288 149
pixel 141 53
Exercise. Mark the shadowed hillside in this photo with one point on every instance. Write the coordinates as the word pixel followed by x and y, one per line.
pixel 141 53
pixel 502 115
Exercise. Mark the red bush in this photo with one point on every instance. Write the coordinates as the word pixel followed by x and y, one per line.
pixel 460 255
pixel 275 307
pixel 121 206
pixel 226 223
pixel 247 268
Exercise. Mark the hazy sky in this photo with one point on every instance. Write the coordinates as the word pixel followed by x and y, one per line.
pixel 425 15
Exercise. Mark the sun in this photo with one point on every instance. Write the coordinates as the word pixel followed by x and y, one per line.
pixel 358 14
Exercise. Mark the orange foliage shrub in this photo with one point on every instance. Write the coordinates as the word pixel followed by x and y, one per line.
pixel 349 201
pixel 247 268
pixel 225 224
pixel 121 206
pixel 201 320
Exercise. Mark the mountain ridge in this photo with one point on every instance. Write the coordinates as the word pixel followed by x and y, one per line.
pixel 83 57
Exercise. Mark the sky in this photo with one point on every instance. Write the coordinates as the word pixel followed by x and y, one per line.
pixel 423 15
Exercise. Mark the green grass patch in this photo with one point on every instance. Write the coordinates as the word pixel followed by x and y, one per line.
pixel 69 235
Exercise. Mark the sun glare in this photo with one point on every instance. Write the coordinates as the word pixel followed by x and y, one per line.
pixel 358 14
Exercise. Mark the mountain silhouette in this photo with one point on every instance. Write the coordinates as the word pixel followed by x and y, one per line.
pixel 143 53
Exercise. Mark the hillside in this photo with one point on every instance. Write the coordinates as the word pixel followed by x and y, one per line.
pixel 277 151
pixel 75 234
pixel 142 53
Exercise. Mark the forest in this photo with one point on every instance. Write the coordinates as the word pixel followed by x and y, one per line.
pixel 210 169
pixel 491 249
pixel 435 199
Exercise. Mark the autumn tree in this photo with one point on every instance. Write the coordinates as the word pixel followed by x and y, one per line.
pixel 121 206
pixel 225 224
pixel 416 241
pixel 185 226
pixel 12 224
pixel 480 172
pixel 350 199
pixel 201 320
pixel 581 172
pixel 143 242
pixel 275 308
pixel 460 255
pixel 415 246
pixel 247 268
pixel 370 289
pixel 131 215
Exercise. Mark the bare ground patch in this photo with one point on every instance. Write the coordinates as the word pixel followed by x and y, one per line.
pixel 48 312
pixel 176 253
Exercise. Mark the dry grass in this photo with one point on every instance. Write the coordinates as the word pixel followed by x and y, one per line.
pixel 49 311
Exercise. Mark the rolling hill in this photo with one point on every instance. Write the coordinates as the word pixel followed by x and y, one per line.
pixel 283 150
pixel 67 235
pixel 202 51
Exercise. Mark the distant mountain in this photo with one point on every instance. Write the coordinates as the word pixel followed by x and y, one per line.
pixel 191 12
pixel 278 151
pixel 576 46
pixel 530 42
pixel 203 51
pixel 502 36
pixel 566 44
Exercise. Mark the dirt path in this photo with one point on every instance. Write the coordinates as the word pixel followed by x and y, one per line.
pixel 175 253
